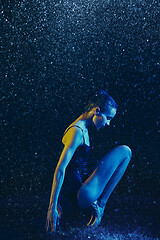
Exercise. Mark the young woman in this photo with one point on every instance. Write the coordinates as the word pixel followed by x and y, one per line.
pixel 70 182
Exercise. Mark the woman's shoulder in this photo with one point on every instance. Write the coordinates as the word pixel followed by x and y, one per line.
pixel 77 123
pixel 83 131
pixel 72 126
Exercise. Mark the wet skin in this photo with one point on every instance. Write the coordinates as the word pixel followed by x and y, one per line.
pixel 103 179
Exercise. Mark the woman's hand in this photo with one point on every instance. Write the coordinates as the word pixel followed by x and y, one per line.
pixel 52 219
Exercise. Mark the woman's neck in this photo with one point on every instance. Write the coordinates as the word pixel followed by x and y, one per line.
pixel 86 118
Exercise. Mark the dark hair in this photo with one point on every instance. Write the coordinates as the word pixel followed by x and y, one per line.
pixel 103 100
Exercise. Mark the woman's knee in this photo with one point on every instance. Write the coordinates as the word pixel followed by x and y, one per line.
pixel 127 151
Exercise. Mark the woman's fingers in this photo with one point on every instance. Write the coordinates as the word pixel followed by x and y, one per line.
pixel 90 221
pixel 47 225
pixel 53 225
pixel 94 221
pixel 53 222
pixel 57 221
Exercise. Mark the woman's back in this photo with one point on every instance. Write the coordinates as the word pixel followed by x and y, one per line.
pixel 76 173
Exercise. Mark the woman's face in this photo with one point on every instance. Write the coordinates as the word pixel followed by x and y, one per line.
pixel 101 119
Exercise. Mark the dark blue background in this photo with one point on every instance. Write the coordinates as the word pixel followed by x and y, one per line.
pixel 55 55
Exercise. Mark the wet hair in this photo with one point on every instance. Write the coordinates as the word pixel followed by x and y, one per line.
pixel 103 100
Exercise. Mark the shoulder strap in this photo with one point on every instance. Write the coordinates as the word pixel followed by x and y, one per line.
pixel 74 126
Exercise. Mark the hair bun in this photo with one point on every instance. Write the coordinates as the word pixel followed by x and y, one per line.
pixel 101 92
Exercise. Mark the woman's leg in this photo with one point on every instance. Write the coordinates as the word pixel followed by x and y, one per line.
pixel 117 175
pixel 105 177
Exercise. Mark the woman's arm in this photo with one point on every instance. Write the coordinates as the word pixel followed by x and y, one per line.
pixel 74 138
pixel 59 174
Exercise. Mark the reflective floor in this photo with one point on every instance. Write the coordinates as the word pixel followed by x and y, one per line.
pixel 128 217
